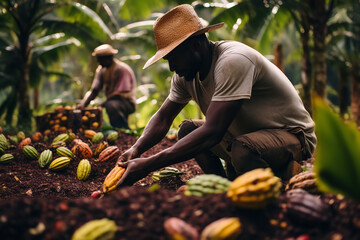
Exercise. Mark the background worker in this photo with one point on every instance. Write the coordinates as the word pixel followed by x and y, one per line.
pixel 254 116
pixel 119 83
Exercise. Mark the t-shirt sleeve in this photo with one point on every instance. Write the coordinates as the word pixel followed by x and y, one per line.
pixel 178 92
pixel 234 76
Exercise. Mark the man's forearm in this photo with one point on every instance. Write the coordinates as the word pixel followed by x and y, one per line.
pixel 90 95
pixel 154 132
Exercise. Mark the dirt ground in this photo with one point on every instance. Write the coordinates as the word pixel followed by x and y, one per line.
pixel 37 203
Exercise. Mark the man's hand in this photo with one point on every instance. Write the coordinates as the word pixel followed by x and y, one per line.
pixel 135 170
pixel 131 153
pixel 80 106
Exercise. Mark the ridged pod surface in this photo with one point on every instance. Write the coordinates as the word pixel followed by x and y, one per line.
pixel 109 154
pixel 81 150
pixel 24 142
pixel 177 228
pixel 99 229
pixel 305 208
pixel 45 158
pixel 59 163
pixel 3 142
pixel 64 137
pixel 83 170
pixel 255 189
pixel 100 147
pixel 89 134
pixel 304 180
pixel 204 184
pixel 98 137
pixel 112 179
pixel 30 152
pixel 64 152
pixel 6 158
pixel 112 136
pixel 223 229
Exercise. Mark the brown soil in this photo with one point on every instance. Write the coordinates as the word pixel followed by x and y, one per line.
pixel 37 203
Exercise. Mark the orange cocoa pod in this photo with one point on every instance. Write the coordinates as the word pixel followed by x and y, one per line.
pixel 112 179
pixel 109 154
pixel 81 149
pixel 37 136
pixel 89 133
pixel 24 142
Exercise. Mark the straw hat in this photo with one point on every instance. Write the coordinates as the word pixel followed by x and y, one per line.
pixel 174 27
pixel 104 50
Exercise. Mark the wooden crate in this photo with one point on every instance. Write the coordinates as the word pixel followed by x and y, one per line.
pixel 66 118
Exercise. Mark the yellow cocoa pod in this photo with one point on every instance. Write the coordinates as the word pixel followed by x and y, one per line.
pixel 112 179
pixel 95 230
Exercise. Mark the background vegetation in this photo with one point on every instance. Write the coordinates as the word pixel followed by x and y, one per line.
pixel 45 50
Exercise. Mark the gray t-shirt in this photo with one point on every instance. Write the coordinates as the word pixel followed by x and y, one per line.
pixel 240 72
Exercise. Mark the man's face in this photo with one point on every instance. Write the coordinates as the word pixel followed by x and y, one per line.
pixel 105 61
pixel 184 61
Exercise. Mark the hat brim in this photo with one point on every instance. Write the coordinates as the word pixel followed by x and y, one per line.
pixel 113 52
pixel 164 51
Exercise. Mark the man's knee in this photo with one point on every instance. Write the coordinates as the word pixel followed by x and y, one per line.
pixel 186 127
pixel 244 158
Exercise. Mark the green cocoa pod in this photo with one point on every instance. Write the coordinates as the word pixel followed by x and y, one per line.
pixel 83 170
pixel 64 137
pixel 21 135
pixel 112 136
pixel 30 152
pixel 2 151
pixel 59 163
pixel 104 229
pixel 3 142
pixel 6 158
pixel 64 152
pixel 98 137
pixel 206 184
pixel 45 158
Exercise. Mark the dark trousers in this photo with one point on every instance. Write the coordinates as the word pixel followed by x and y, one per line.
pixel 274 148
pixel 118 110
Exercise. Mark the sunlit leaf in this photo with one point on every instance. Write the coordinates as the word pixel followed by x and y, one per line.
pixel 337 163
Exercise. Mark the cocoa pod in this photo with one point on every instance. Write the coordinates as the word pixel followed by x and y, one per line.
pixel 304 180
pixel 37 136
pixel 109 154
pixel 176 228
pixel 59 163
pixel 81 149
pixel 64 152
pixel 205 184
pixel 223 229
pixel 89 134
pixel 100 147
pixel 112 136
pixel 24 142
pixel 95 230
pixel 83 170
pixel 112 179
pixel 305 208
pixel 6 158
pixel 30 152
pixel 45 158
pixel 255 189
pixel 98 137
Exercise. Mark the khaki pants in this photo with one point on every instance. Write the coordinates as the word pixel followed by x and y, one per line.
pixel 273 148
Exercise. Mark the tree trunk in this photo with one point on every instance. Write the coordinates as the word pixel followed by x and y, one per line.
pixel 36 97
pixel 25 113
pixel 355 94
pixel 306 65
pixel 319 25
pixel 343 90
pixel 278 57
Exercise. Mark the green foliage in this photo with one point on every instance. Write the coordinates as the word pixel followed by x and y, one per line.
pixel 337 164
